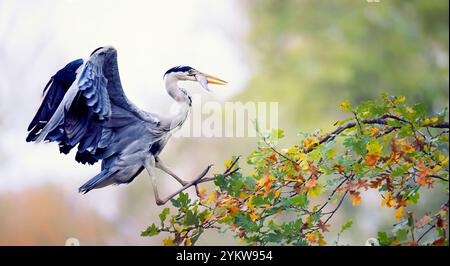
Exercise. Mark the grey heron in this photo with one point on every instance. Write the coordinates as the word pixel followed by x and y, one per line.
pixel 84 106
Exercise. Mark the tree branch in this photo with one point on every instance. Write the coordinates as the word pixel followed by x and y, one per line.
pixel 382 120
pixel 229 171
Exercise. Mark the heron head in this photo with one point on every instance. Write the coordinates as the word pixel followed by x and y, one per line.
pixel 192 74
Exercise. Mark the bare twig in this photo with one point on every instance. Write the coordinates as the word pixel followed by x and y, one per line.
pixel 426 232
pixel 335 209
pixel 439 177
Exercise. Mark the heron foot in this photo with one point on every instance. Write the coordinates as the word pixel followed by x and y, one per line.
pixel 194 182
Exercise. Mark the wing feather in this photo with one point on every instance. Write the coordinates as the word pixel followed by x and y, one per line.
pixel 84 104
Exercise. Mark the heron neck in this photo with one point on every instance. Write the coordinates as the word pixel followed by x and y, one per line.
pixel 182 97
pixel 177 93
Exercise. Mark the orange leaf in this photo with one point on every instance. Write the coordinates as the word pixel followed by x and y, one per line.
pixel 339 168
pixel 372 159
pixel 263 181
pixel 323 226
pixel 356 198
pixel 312 238
pixel 233 209
pixel 311 183
pixel 424 174
pixel 363 184
pixel 374 131
pixel 376 183
pixel 423 221
pixel 254 217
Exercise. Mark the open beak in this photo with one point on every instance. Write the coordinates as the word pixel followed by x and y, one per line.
pixel 206 79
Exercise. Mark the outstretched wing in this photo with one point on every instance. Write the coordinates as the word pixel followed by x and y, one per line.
pixel 84 104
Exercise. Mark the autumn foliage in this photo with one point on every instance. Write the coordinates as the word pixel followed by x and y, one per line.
pixel 292 194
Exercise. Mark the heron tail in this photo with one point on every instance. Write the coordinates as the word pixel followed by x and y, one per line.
pixel 98 181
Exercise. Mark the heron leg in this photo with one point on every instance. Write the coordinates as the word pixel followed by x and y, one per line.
pixel 149 165
pixel 159 164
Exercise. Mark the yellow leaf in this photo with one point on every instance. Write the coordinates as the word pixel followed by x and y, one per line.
pixel 322 241
pixel 212 197
pixel 399 213
pixel 444 160
pixel 437 168
pixel 277 193
pixel 345 105
pixel 250 204
pixel 316 191
pixel 201 192
pixel 374 148
pixel 168 242
pixel 299 156
pixel 242 195
pixel 400 99
pixel 388 200
pixel 310 142
pixel 227 163
pixel 293 150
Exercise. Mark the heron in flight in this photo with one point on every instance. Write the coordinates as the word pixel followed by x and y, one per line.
pixel 84 105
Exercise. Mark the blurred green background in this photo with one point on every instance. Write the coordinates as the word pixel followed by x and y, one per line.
pixel 307 55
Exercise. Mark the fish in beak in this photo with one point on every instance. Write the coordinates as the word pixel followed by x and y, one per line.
pixel 205 79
